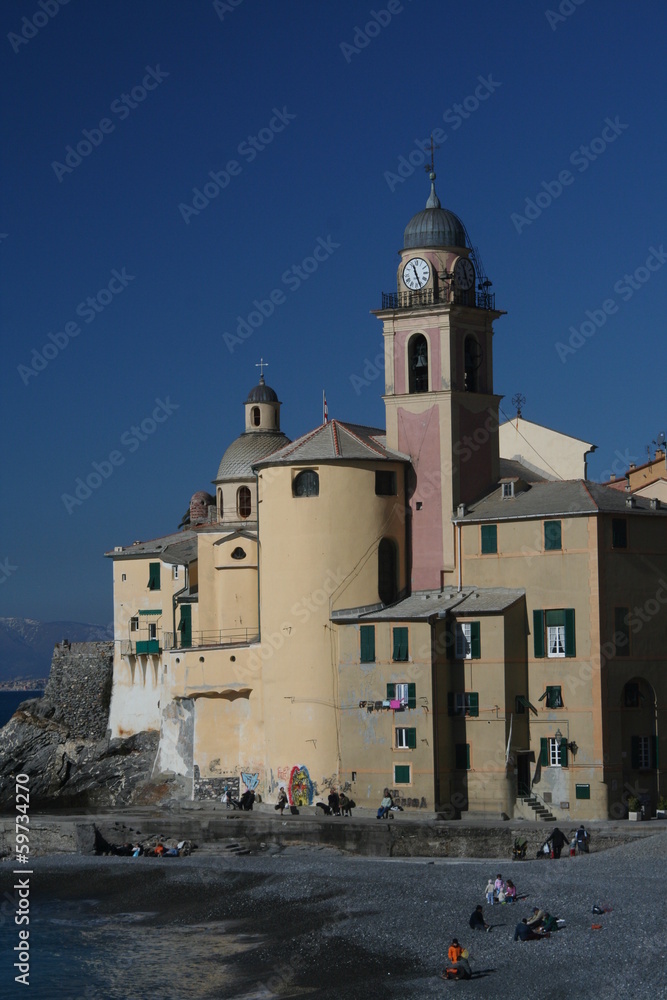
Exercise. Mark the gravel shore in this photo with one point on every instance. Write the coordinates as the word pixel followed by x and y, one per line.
pixel 308 922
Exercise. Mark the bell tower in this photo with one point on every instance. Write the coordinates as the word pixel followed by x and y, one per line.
pixel 440 406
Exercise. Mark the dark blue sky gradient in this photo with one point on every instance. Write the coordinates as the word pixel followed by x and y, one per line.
pixel 323 176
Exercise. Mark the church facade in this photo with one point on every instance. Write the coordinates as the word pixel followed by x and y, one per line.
pixel 442 607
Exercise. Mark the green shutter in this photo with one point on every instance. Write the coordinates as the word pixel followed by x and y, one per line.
pixel 544 751
pixel 391 692
pixel 412 695
pixel 489 539
pixel 450 703
pixel 634 752
pixel 475 643
pixel 400 644
pixel 154 576
pixel 552 536
pixel 401 774
pixel 563 753
pixel 538 632
pixel 412 738
pixel 462 756
pixel 582 791
pixel 473 704
pixel 185 626
pixel 570 641
pixel 367 639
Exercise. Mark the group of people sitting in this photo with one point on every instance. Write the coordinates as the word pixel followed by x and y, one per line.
pixel 499 891
pixel 539 925
pixel 339 804
pixel 245 803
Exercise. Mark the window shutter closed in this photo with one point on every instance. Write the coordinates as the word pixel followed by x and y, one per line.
pixel 634 753
pixel 563 753
pixel 412 739
pixel 570 643
pixel 473 704
pixel 367 639
pixel 400 644
pixel 412 695
pixel 544 751
pixel 538 632
pixel 450 703
pixel 475 643
pixel 391 692
pixel 154 576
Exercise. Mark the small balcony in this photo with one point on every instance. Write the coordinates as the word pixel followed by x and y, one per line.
pixel 417 300
pixel 141 647
pixel 213 637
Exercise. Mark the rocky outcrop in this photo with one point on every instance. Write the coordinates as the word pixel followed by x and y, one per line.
pixel 62 743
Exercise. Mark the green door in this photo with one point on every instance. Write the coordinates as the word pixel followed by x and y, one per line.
pixel 185 626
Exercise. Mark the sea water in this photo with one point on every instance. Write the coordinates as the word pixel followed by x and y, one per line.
pixel 10 701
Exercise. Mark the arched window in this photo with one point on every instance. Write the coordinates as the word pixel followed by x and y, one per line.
pixel 238 553
pixel 243 501
pixel 387 571
pixel 472 363
pixel 256 416
pixel 220 509
pixel 418 364
pixel 306 484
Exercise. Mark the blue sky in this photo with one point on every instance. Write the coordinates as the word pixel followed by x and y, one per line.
pixel 304 112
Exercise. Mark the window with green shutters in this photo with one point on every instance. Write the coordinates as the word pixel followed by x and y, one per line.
pixel 552 536
pixel 400 652
pixel 619 533
pixel 463 703
pixel 405 738
pixel 554 697
pixel 154 576
pixel 553 753
pixel 582 791
pixel 462 756
pixel 644 753
pixel 367 641
pixel 403 692
pixel 489 539
pixel 468 641
pixel 554 633
pixel 402 774
pixel 622 631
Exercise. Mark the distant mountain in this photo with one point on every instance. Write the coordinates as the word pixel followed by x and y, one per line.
pixel 26 645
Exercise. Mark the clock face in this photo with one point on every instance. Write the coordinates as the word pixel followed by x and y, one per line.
pixel 416 273
pixel 464 274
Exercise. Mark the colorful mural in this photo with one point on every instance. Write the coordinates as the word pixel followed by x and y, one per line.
pixel 300 789
pixel 250 779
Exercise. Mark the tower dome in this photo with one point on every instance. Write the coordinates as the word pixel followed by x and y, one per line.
pixel 262 393
pixel 434 226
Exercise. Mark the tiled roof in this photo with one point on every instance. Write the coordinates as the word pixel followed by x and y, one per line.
pixel 510 469
pixel 178 548
pixel 556 499
pixel 335 440
pixel 427 604
pixel 249 448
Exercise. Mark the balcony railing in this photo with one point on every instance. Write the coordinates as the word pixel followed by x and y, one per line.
pixel 211 637
pixel 426 297
pixel 141 647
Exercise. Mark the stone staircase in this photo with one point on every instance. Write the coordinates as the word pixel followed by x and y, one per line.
pixel 218 848
pixel 540 810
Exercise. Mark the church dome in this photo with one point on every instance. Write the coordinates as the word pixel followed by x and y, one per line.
pixel 239 458
pixel 434 226
pixel 262 393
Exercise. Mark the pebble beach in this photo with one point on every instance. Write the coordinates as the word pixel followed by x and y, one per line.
pixel 302 921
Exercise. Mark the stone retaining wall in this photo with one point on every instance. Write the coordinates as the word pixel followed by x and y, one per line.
pixel 79 687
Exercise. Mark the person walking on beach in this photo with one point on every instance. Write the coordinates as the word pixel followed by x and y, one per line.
pixel 558 841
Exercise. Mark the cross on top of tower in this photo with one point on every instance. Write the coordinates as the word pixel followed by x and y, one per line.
pixel 262 364
pixel 430 167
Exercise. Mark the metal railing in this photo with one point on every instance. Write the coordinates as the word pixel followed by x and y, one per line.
pixel 211 637
pixel 413 300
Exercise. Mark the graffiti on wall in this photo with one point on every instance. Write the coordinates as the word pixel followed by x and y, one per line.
pixel 283 774
pixel 400 800
pixel 250 779
pixel 300 788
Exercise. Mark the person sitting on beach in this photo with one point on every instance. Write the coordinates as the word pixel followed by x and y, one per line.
pixel 137 851
pixel 346 805
pixel 477 921
pixel 385 805
pixel 510 891
pixel 282 800
pixel 537 918
pixel 489 892
pixel 334 802
pixel 522 932
pixel 502 898
pixel 457 961
pixel 159 850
